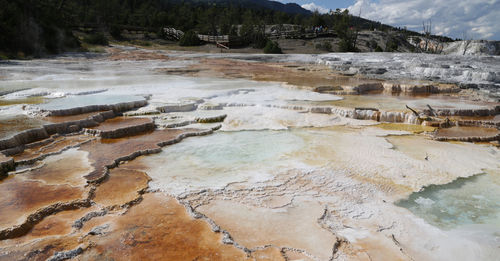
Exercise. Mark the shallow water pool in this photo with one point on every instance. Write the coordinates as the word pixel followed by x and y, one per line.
pixel 466 201
pixel 222 158
pixel 87 100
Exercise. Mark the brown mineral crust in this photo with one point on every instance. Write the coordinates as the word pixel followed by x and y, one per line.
pixel 121 122
pixel 159 228
pixel 6 165
pixel 17 143
pixel 12 126
pixel 121 187
pixel 312 76
pixel 297 256
pixel 253 231
pixel 68 169
pixel 122 127
pixel 24 202
pixel 268 254
pixel 77 117
pixel 52 146
pixel 379 249
pixel 56 225
pixel 467 132
pixel 40 250
pixel 106 153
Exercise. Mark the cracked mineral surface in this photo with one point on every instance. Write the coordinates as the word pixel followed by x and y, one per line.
pixel 142 154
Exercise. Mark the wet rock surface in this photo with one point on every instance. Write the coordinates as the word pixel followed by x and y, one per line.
pixel 121 187
pixel 121 127
pixel 6 165
pixel 468 134
pixel 107 153
pixel 166 232
pixel 293 171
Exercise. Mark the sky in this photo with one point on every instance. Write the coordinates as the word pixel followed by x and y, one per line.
pixel 477 19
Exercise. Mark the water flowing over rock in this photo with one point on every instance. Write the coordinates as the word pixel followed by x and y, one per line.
pixel 14 143
pixel 177 107
pixel 121 127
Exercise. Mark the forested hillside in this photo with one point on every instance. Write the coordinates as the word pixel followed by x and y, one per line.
pixel 34 28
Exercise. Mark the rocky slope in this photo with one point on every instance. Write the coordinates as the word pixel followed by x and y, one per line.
pixel 473 47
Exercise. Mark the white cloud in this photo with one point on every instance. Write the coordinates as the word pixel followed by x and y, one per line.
pixel 480 18
pixel 314 7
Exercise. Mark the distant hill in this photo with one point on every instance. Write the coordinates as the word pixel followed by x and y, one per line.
pixel 290 8
pixel 35 28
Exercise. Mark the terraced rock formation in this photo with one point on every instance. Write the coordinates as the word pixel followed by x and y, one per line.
pixel 296 172
pixel 79 181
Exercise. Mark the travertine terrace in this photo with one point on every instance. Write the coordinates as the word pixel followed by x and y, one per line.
pixel 144 154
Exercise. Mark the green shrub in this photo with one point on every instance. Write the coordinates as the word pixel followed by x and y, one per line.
pixel 325 46
pixel 392 45
pixel 51 39
pixel 116 32
pixel 70 41
pixel 346 45
pixel 259 41
pixel 378 49
pixel 97 39
pixel 190 38
pixel 272 47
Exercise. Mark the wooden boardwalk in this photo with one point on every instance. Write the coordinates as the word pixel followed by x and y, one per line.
pixel 300 35
pixel 223 41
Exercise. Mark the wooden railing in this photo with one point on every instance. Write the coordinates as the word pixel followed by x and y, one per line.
pixel 130 28
pixel 300 35
pixel 214 38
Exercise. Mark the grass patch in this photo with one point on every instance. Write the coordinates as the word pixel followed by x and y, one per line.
pixel 141 43
pixel 96 39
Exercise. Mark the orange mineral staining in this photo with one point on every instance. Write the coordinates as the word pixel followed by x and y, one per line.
pixel 77 117
pixel 121 122
pixel 68 168
pixel 50 146
pixel 21 198
pixel 467 132
pixel 159 228
pixel 105 152
pixel 121 187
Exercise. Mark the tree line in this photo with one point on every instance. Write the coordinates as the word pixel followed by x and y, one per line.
pixel 33 27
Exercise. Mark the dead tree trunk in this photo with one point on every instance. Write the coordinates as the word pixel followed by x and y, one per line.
pixel 414 111
pixel 433 113
pixel 427 32
pixel 467 42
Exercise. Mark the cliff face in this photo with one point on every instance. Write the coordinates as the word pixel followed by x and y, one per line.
pixel 475 47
